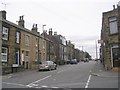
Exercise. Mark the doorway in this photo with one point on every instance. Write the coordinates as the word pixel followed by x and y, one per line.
pixel 115 56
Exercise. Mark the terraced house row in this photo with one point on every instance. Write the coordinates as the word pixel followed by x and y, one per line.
pixel 25 49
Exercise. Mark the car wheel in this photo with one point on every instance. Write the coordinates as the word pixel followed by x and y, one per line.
pixel 55 68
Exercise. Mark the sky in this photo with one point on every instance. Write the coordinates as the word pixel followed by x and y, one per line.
pixel 80 21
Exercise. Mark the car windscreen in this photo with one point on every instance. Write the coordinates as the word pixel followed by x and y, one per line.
pixel 45 62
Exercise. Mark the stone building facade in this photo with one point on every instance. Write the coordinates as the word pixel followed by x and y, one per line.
pixel 22 48
pixel 10 44
pixel 109 35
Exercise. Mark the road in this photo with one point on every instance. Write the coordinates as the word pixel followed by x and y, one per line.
pixel 66 76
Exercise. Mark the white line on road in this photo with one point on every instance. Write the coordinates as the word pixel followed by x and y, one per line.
pixel 44 86
pixel 88 81
pixel 38 80
pixel 60 71
pixel 13 84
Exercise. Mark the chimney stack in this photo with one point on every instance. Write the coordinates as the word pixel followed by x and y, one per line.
pixel 21 22
pixel 55 33
pixel 34 28
pixel 113 7
pixel 3 14
pixel 50 31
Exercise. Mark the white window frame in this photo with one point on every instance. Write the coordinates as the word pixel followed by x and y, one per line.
pixel 113 25
pixel 17 37
pixel 5 54
pixel 5 32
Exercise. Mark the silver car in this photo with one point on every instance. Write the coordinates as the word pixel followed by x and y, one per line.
pixel 47 65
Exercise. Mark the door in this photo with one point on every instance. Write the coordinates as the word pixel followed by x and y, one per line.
pixel 115 54
pixel 17 56
pixel 23 63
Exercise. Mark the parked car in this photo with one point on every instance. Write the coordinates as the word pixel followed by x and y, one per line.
pixel 68 62
pixel 74 61
pixel 47 65
pixel 86 60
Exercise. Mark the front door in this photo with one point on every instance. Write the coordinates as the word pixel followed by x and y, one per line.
pixel 17 56
pixel 115 55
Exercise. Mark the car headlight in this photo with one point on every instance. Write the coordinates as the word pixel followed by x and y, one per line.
pixel 46 66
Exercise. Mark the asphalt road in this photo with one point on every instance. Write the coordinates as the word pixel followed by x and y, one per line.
pixel 66 76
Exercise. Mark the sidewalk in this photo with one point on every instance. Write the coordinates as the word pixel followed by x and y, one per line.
pixel 26 72
pixel 100 71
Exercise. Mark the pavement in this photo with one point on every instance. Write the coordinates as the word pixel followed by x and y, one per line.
pixel 100 71
pixel 16 74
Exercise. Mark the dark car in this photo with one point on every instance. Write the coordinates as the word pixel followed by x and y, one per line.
pixel 74 61
pixel 47 65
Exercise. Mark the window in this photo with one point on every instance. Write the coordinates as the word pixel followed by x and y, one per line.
pixel 17 54
pixel 5 33
pixel 36 42
pixel 27 38
pixel 4 54
pixel 17 37
pixel 113 25
pixel 27 56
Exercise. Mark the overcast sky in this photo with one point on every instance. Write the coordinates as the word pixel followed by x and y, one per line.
pixel 77 20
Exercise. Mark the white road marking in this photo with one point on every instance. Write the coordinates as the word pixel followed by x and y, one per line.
pixel 60 71
pixel 88 81
pixel 54 87
pixel 14 84
pixel 33 83
pixel 37 87
pixel 44 86
pixel 9 76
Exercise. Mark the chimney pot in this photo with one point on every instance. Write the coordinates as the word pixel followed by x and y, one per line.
pixel 50 31
pixel 113 7
pixel 34 28
pixel 55 33
pixel 21 21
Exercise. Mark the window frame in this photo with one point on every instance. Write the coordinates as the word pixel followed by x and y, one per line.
pixel 5 33
pixel 112 20
pixel 18 37
pixel 27 56
pixel 5 54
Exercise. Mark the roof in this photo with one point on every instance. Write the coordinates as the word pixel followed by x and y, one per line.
pixel 21 28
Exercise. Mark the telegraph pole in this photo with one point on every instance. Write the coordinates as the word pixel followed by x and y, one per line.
pixel 96 50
